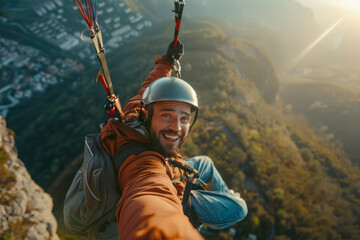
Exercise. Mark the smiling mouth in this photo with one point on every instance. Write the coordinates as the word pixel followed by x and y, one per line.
pixel 171 138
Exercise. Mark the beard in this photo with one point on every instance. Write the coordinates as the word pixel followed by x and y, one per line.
pixel 158 147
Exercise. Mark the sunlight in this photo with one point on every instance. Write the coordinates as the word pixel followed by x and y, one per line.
pixel 350 4
pixel 355 5
pixel 303 53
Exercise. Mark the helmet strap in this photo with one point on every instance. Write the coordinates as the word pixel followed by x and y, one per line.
pixel 141 114
pixel 149 112
pixel 195 118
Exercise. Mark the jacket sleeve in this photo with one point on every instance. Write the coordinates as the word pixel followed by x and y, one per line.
pixel 149 207
pixel 162 68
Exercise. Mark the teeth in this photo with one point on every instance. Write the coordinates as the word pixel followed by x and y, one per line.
pixel 171 137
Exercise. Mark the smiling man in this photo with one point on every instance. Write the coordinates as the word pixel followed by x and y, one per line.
pixel 170 125
pixel 144 148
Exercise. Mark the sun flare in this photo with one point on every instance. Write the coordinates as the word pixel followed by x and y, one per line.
pixel 350 4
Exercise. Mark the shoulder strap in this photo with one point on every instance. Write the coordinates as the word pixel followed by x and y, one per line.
pixel 134 148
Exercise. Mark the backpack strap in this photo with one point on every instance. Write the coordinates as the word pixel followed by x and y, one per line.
pixel 134 148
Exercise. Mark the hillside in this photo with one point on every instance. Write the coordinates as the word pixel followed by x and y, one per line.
pixel 296 182
pixel 330 107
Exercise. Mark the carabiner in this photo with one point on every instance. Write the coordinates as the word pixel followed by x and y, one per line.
pixel 177 68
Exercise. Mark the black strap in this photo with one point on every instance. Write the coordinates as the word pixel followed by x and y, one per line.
pixel 186 202
pixel 185 168
pixel 126 151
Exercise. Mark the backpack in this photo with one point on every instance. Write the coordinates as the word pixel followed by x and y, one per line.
pixel 91 201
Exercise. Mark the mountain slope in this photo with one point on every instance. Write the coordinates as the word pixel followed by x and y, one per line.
pixel 332 108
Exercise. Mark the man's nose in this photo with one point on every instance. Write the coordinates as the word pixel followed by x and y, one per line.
pixel 175 125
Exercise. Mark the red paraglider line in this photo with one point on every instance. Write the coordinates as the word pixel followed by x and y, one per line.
pixel 87 16
pixel 103 82
pixel 177 28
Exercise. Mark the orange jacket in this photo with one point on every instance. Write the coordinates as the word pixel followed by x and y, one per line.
pixel 150 206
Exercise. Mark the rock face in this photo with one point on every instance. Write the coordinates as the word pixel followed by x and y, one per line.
pixel 25 209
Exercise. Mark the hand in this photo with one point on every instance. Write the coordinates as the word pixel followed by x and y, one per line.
pixel 175 53
pixel 236 194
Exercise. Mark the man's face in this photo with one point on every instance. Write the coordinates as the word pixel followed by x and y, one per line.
pixel 170 126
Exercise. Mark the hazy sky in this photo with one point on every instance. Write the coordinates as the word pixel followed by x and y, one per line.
pixel 349 4
pixel 326 12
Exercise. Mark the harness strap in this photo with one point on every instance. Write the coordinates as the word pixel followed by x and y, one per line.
pixel 185 168
pixel 193 174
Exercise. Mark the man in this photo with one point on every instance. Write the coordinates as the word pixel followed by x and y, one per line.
pixel 158 120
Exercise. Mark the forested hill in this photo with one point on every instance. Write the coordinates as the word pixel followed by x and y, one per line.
pixel 331 107
pixel 297 184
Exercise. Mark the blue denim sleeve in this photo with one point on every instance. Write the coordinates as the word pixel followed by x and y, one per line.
pixel 218 208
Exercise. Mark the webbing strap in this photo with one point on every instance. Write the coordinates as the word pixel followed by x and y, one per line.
pixel 185 168
pixel 193 173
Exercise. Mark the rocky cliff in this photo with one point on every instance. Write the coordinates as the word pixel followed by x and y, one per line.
pixel 25 209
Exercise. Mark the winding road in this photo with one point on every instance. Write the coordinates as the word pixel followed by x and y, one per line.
pixel 14 101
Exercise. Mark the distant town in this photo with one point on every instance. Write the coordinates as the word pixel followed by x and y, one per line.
pixel 26 70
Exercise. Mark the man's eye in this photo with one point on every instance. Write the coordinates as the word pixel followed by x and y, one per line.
pixel 185 119
pixel 166 115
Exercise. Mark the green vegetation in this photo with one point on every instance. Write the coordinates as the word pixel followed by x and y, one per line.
pixel 333 109
pixel 297 183
pixel 7 178
pixel 54 135
pixel 17 230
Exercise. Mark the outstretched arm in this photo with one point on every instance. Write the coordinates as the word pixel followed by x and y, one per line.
pixel 149 207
